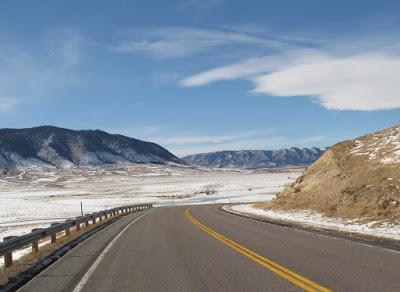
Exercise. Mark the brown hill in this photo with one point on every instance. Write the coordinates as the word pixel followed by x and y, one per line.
pixel 353 179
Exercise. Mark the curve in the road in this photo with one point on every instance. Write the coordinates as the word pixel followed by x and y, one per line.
pixel 281 271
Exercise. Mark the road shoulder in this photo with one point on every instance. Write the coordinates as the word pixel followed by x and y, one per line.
pixel 63 274
pixel 354 236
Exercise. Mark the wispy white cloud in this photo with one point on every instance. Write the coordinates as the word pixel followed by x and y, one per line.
pixel 357 81
pixel 363 82
pixel 192 139
pixel 65 46
pixel 173 42
pixel 314 139
pixel 250 67
pixel 195 138
pixel 185 143
pixel 7 104
pixel 161 78
pixel 33 75
pixel 240 144
pixel 137 132
pixel 198 4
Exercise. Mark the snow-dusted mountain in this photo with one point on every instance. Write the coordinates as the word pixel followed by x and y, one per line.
pixel 62 148
pixel 252 159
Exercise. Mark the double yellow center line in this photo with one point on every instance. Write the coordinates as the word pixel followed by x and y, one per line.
pixel 281 271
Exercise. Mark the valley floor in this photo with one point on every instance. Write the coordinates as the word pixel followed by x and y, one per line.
pixel 38 197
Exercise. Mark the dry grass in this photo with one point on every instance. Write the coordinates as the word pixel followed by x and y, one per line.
pixel 30 260
pixel 341 184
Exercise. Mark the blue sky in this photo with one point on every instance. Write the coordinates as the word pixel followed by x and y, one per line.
pixel 200 76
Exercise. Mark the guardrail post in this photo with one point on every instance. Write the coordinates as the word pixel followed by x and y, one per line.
pixel 87 220
pixel 53 237
pixel 35 244
pixel 78 225
pixel 8 257
pixel 68 229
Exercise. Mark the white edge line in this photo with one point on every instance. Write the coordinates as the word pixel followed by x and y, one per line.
pixel 247 216
pixel 97 262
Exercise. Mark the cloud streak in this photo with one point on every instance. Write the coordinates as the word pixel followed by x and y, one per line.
pixel 65 46
pixel 360 81
pixel 29 75
pixel 198 4
pixel 174 42
pixel 189 143
pixel 7 104
pixel 250 67
pixel 185 143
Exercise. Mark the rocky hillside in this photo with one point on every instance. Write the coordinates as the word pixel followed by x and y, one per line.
pixel 252 159
pixel 52 146
pixel 353 179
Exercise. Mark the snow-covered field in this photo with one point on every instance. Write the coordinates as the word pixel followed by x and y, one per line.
pixel 38 197
pixel 312 219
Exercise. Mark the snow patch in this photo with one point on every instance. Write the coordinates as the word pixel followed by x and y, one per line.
pixel 313 219
pixel 384 147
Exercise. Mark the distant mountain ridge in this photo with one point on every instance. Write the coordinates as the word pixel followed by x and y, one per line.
pixel 253 159
pixel 63 148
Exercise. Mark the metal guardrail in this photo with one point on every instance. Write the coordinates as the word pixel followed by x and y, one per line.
pixel 12 243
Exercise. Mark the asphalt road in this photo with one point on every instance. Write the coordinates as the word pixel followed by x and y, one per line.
pixel 206 249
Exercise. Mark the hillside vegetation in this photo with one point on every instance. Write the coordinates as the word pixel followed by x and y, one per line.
pixel 353 179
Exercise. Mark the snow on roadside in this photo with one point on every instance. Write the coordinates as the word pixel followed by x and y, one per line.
pixel 313 219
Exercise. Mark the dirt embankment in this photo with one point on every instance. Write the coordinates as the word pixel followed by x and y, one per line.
pixel 357 179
